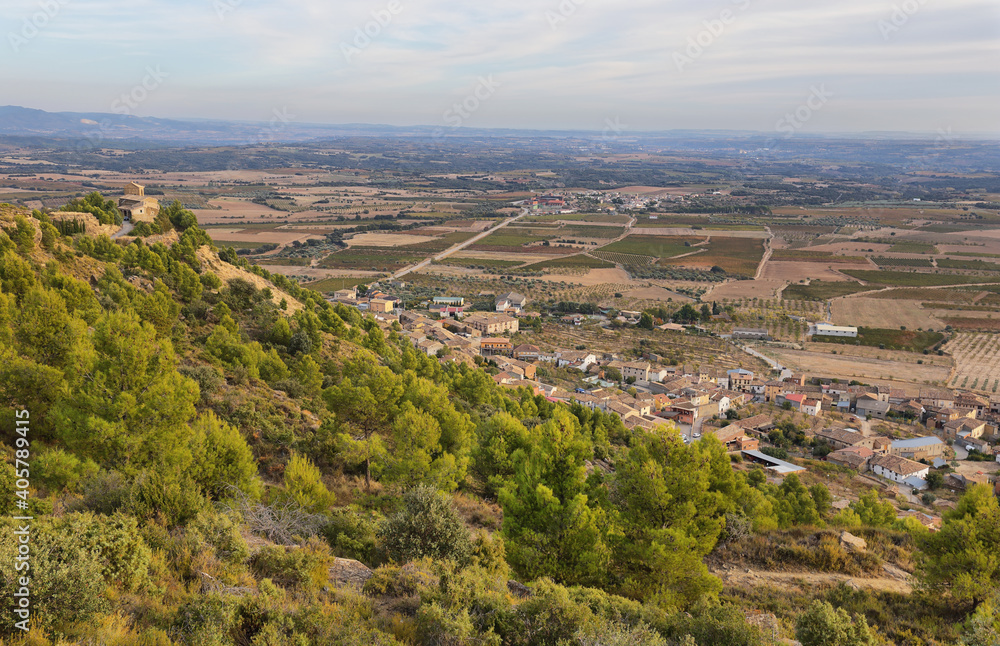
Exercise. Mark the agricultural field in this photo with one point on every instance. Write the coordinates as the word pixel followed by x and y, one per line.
pixel 912 247
pixel 915 279
pixel 820 290
pixel 890 262
pixel 970 265
pixel 580 261
pixel 907 375
pixel 603 218
pixel 371 259
pixel 878 313
pixel 736 255
pixel 802 255
pixel 654 246
pixel 624 259
pixel 977 362
pixel 888 339
pixel 328 285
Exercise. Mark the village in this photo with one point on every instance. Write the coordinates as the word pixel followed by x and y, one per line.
pixel 907 443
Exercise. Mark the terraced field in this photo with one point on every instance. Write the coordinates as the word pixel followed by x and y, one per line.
pixel 977 362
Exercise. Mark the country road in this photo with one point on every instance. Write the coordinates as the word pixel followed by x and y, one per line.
pixel 462 245
pixel 127 227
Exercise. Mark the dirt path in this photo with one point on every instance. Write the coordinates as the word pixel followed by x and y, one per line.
pixel 767 254
pixel 462 245
pixel 127 227
pixel 897 580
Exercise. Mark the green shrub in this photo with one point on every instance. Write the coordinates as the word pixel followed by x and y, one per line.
pixel 428 525
pixel 303 568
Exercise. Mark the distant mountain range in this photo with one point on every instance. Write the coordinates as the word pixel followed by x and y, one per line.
pixel 98 127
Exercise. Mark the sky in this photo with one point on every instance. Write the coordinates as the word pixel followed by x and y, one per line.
pixel 809 66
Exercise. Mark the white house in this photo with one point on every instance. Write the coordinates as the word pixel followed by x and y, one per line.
pixel 511 301
pixel 825 329
pixel 811 406
pixel 897 469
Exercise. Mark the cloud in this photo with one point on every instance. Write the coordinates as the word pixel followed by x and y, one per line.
pixel 562 63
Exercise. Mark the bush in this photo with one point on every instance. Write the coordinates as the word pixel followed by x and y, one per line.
pixel 304 483
pixel 301 568
pixel 428 525
pixel 352 534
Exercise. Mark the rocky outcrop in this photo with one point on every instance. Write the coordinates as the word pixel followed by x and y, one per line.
pixel 853 543
pixel 348 573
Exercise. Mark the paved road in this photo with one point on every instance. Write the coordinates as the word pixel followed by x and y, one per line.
pixel 462 245
pixel 127 227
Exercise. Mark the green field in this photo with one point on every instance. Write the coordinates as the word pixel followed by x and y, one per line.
pixel 333 284
pixel 583 231
pixel 571 262
pixel 237 245
pixel 655 246
pixel 370 259
pixel 441 243
pixel 882 261
pixel 516 237
pixel 476 263
pixel 613 218
pixel 737 256
pixel 909 340
pixel 978 265
pixel 912 247
pixel 914 279
pixel 804 255
pixel 819 290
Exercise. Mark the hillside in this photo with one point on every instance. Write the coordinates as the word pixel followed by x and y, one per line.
pixel 211 454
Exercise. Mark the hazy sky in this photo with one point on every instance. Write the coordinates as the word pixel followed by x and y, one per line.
pixel 842 65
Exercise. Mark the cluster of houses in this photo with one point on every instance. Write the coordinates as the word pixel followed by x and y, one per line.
pixel 689 395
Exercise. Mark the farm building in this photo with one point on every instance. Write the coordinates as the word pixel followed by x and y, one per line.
pixel 454 301
pixel 511 302
pixel 134 205
pixel 825 329
pixel 770 463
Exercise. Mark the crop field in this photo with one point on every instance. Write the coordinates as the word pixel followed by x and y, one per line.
pixel 611 218
pixel 579 261
pixel 371 259
pixel 377 239
pixel 655 246
pixel 478 263
pixel 327 285
pixel 939 295
pixel 883 261
pixel 973 265
pixel 883 338
pixel 865 369
pixel 914 279
pixel 737 256
pixel 871 312
pixel 624 259
pixel 820 290
pixel 582 231
pixel 912 247
pixel 977 362
pixel 789 255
